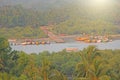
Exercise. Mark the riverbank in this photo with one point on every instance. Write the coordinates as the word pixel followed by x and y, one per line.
pixel 66 38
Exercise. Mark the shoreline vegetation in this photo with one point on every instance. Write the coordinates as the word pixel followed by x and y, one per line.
pixel 88 64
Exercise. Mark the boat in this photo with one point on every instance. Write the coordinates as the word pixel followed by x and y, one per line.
pixel 71 49
pixel 43 42
pixel 81 38
pixel 99 41
pixel 23 43
pixel 88 41
pixel 94 41
pixel 37 43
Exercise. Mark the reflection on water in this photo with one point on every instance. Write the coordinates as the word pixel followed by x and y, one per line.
pixel 60 46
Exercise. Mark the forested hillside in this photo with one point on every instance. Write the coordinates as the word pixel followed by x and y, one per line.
pixel 12 16
pixel 67 17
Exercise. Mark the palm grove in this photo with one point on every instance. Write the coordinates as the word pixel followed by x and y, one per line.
pixel 88 64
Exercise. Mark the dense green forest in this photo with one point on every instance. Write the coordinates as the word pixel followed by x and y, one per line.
pixel 20 32
pixel 68 19
pixel 88 64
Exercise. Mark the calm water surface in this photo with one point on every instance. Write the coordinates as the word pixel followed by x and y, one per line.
pixel 60 46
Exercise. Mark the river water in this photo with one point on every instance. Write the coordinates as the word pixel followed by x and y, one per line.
pixel 55 47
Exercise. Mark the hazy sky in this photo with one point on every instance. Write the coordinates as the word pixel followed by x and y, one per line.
pixel 55 3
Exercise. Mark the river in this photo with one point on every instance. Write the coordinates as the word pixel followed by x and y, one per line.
pixel 55 47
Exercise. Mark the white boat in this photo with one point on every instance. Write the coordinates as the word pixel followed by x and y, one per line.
pixel 71 49
pixel 24 43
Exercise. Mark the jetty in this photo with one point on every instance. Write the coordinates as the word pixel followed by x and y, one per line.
pixel 51 35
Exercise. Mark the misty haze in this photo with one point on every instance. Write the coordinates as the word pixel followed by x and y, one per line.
pixel 59 39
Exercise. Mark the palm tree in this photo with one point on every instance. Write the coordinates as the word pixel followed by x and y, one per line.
pixel 92 65
pixel 50 73
pixel 31 70
pixel 56 75
pixel 4 54
pixel 45 68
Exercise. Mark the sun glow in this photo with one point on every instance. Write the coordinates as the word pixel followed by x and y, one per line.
pixel 101 3
pixel 98 7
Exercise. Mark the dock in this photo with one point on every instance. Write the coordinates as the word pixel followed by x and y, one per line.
pixel 51 35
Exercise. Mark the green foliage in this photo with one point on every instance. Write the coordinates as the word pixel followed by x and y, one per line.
pixel 68 19
pixel 4 44
pixel 4 54
pixel 97 64
pixel 21 32
pixel 88 64
pixel 22 77
pixel 20 63
pixel 6 76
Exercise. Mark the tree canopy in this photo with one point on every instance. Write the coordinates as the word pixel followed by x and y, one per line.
pixel 88 64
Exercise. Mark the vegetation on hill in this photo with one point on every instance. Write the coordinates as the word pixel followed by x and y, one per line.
pixel 88 64
pixel 68 19
pixel 22 32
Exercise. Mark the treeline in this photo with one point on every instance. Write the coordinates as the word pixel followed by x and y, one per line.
pixel 12 16
pixel 88 64
pixel 22 32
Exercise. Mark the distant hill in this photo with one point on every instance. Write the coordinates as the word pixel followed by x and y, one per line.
pixel 66 16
